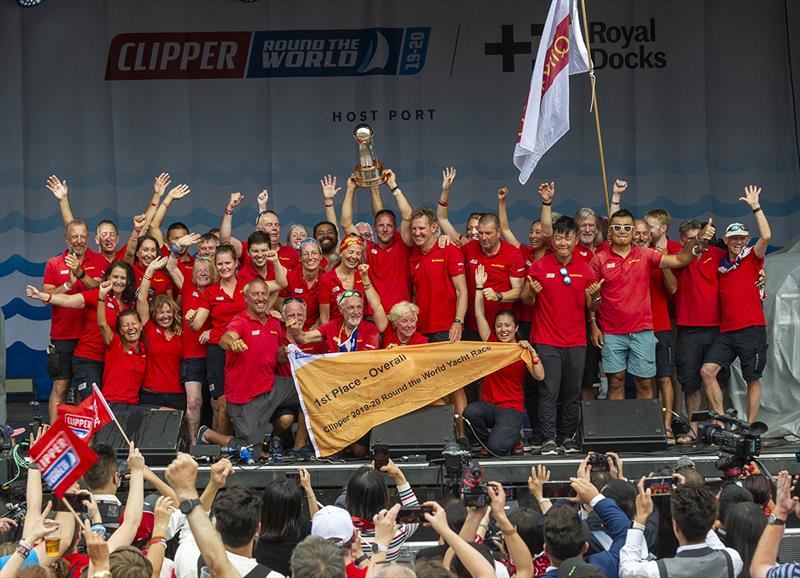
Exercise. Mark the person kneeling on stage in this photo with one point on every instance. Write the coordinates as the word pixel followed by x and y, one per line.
pixel 500 409
pixel 253 344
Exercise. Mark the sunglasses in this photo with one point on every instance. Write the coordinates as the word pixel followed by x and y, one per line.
pixel 349 293
pixel 293 300
pixel 737 228
pixel 621 228
pixel 565 275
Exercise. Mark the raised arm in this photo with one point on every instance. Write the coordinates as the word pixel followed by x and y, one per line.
pixel 347 205
pixel 311 498
pixel 280 280
pixel 752 194
pixel 60 192
pixel 518 551
pixel 139 222
pixel 134 506
pixel 484 329
pixel 691 250
pixel 376 200
pixel 766 552
pixel 502 213
pixel 620 187
pixel 142 294
pixel 547 191
pixel 262 200
pixel 60 299
pixel 403 206
pixel 172 263
pixel 448 176
pixel 329 191
pixel 105 329
pixel 472 559
pixel 161 212
pixel 226 225
pixel 220 472
pixel 378 313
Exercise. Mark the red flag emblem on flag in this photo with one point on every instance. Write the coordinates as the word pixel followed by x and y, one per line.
pixel 62 457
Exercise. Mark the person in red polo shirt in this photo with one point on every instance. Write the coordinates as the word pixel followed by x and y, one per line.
pixel 742 330
pixel 252 341
pixel 388 258
pixel 402 327
pixel 263 263
pixel 447 228
pixel 303 282
pixel 562 287
pixel 343 277
pixel 623 326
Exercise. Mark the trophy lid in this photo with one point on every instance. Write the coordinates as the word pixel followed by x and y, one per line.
pixel 363 133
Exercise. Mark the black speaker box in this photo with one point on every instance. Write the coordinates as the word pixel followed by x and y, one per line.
pixel 157 434
pixel 626 425
pixel 425 431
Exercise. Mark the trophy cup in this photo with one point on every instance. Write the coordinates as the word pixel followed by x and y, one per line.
pixel 370 169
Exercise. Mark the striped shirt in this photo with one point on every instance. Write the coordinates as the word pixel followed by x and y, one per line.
pixel 404 531
pixel 784 571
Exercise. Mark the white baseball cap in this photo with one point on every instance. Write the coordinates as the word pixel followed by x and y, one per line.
pixel 332 523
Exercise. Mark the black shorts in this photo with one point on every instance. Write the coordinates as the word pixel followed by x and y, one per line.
pixel 160 399
pixel 59 358
pixel 193 369
pixel 748 344
pixel 665 354
pixel 691 346
pixel 438 336
pixel 215 370
pixel 86 372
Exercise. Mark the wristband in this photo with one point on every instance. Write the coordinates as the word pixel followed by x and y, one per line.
pixel 101 300
pixel 756 210
pixel 176 249
pixel 638 526
pixel 361 559
pixel 499 296
pixel 596 299
pixel 536 360
pixel 329 205
pixel 157 540
pixel 459 321
pixel 442 203
pixel 547 204
pixel 146 278
pixel 49 298
pixel 367 286
pixel 81 275
pixel 23 549
pixel 228 211
pixel 478 288
pixel 394 188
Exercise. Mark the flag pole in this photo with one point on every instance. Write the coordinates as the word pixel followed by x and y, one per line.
pixel 74 513
pixel 593 80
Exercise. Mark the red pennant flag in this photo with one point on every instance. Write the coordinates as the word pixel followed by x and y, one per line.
pixel 81 420
pixel 102 411
pixel 62 457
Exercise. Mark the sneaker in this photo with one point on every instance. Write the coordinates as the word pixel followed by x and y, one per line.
pixel 570 446
pixel 550 448
pixel 200 432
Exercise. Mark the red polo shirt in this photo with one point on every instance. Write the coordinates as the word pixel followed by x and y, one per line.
pixel 222 307
pixel 163 372
pixel 91 345
pixel 389 337
pixel 288 256
pixel 333 334
pixel 434 292
pixel 190 299
pixel 297 286
pixel 103 263
pixel 503 388
pixel 697 299
pixel 330 287
pixel 389 271
pixel 739 297
pixel 560 319
pixel 185 263
pixel 124 372
pixel 160 282
pixel 66 323
pixel 525 313
pixel 661 302
pixel 500 268
pixel 625 307
pixel 588 254
pixel 252 372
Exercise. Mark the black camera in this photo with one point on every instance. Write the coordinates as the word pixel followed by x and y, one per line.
pixel 17 512
pixel 738 441
pixel 473 489
pixel 456 460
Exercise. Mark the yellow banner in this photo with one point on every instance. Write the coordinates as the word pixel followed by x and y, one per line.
pixel 345 395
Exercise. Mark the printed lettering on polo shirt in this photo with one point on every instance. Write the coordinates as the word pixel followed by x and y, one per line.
pixel 298 290
pixel 550 276
pixel 473 261
pixel 64 272
pixel 256 332
pixel 220 298
pixel 437 261
pixel 375 251
pixel 610 265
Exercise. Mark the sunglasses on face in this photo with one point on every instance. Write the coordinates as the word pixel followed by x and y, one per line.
pixel 621 228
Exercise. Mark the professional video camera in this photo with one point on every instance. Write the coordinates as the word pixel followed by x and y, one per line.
pixel 473 488
pixel 739 442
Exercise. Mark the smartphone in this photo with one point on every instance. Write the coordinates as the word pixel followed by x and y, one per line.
pixel 659 486
pixel 413 515
pixel 74 500
pixel 380 455
pixel 599 462
pixel 476 500
pixel 511 493
pixel 558 490
pixel 293 476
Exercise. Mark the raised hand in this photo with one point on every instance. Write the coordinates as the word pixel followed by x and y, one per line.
pixel 480 276
pixel 594 288
pixel 39 433
pixel 182 476
pixel 584 490
pixel 178 192
pixel 539 475
pixel 220 471
pixel 710 230
pixel 615 465
pixel 104 289
pixel 272 256
pixel 525 344
pixel 329 188
pixel 57 187
pixel 234 200
pixel 138 222
pixel 161 183
pixel 502 193
pixel 188 240
pixel 135 459
pixel 363 270
pixel 751 195
pixel 157 263
pixel 620 186
pixel 352 184
pixel 262 199
pixel 448 176
pixel 391 178
pixel 644 502
pixel 547 191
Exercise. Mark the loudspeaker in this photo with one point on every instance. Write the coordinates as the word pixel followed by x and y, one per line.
pixel 157 434
pixel 789 549
pixel 426 430
pixel 625 425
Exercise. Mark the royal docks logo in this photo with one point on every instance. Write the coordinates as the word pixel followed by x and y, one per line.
pixel 268 54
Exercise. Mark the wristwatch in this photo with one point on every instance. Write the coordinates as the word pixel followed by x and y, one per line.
pixel 499 296
pixel 186 506
pixel 774 520
pixel 377 548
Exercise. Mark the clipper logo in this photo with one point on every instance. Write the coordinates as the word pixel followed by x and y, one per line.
pixel 58 460
pixel 80 425
pixel 265 54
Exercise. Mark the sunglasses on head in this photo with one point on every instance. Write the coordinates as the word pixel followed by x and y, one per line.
pixel 737 228
pixel 293 300
pixel 621 228
pixel 349 293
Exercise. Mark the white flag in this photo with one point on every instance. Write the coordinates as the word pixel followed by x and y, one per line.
pixel 546 114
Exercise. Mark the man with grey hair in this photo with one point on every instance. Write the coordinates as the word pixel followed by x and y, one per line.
pixel 316 557
pixel 254 342
pixel 395 570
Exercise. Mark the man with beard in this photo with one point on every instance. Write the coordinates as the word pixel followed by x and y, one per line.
pixel 742 331
pixel 328 236
pixel 623 327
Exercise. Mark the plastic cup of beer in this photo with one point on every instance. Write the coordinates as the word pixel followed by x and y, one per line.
pixel 52 542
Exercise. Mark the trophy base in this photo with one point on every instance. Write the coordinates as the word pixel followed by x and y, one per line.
pixel 369 177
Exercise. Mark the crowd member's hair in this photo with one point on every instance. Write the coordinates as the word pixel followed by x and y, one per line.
pixel 456 513
pixel 688 225
pixel 36 572
pixel 395 570
pixel 427 212
pixel 121 317
pixel 563 533
pixel 212 268
pixel 129 293
pixel 129 562
pixel 457 567
pixel 105 222
pixel 427 568
pixel 621 214
pixel 761 488
pixel 565 225
pixel 226 249
pixel 209 237
pixel 75 223
pixel 214 231
pixel 267 212
pixel 624 493
pixel 310 241
pixel 288 300
pixel 599 479
pixel 743 527
pixel 103 469
pixel 402 308
pixel 694 510
pixel 282 507
pixel 257 238
pixel 236 512
pixel 693 476
pixel 155 307
pixel 140 241
pixel 175 226
pixel 731 495
pixel 60 567
pixel 489 219
pixel 528 523
pixel 291 230
pixel 667 544
pixel 474 216
pixel 388 212
pixel 366 493
pixel 316 557
pixel 661 215
pixel 507 313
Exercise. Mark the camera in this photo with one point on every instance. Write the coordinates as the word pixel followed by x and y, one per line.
pixel 738 441
pixel 599 462
pixel 17 512
pixel 456 460
pixel 473 488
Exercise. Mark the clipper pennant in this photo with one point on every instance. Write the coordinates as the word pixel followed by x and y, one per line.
pixel 87 418
pixel 62 457
pixel 545 118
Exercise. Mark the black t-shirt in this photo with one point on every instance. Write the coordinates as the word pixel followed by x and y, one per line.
pixel 277 552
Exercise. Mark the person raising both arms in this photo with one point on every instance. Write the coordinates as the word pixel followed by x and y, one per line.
pixel 342 278
pixel 447 228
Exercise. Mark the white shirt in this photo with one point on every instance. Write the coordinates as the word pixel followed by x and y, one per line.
pixel 631 562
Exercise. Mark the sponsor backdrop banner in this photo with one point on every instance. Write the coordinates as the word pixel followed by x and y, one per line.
pixel 697 99
pixel 344 395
